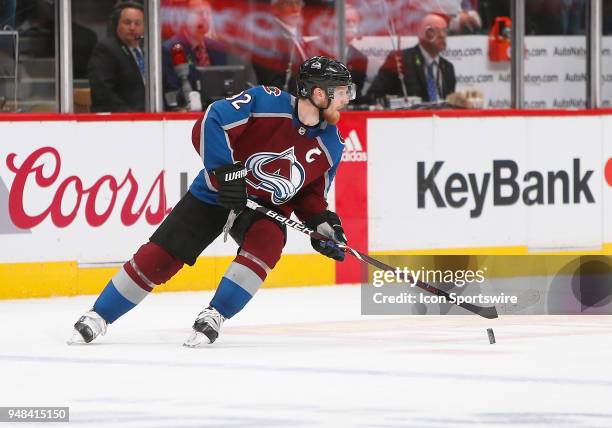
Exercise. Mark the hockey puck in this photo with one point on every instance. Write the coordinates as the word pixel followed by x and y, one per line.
pixel 491 336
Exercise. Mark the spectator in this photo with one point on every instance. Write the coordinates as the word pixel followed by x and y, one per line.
pixel 467 20
pixel 200 51
pixel 462 14
pixel 356 61
pixel 418 71
pixel 277 64
pixel 117 67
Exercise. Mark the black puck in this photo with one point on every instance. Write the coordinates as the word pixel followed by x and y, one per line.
pixel 491 336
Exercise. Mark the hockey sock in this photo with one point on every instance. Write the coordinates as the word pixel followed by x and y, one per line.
pixel 150 266
pixel 260 251
pixel 237 287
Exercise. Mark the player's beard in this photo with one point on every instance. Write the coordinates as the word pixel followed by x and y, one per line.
pixel 331 116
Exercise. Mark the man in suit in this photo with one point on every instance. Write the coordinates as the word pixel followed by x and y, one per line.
pixel 418 71
pixel 116 67
pixel 277 59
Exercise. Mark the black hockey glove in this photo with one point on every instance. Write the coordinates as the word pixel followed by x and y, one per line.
pixel 328 223
pixel 231 180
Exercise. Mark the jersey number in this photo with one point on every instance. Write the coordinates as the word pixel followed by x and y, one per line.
pixel 236 100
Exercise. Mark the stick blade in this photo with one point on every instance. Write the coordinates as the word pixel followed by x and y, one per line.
pixel 489 312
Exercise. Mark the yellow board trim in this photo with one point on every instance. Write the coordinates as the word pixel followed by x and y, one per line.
pixel 518 250
pixel 555 262
pixel 33 280
pixel 30 280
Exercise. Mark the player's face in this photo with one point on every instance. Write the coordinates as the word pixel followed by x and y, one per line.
pixel 131 26
pixel 342 96
pixel 345 94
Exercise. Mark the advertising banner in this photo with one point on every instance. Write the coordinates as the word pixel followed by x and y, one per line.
pixel 438 183
pixel 351 186
pixel 93 192
pixel 607 182
pixel 555 68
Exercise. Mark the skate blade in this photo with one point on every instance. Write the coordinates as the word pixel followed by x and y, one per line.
pixel 76 339
pixel 196 340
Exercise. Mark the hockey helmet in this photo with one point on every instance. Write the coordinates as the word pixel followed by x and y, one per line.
pixel 325 73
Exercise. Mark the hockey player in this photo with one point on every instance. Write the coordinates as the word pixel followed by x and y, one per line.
pixel 262 144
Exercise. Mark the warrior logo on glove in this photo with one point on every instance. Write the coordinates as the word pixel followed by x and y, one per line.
pixel 231 180
pixel 231 176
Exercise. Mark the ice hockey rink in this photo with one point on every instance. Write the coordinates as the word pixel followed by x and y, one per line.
pixel 306 357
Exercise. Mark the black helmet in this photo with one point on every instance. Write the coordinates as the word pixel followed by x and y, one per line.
pixel 325 73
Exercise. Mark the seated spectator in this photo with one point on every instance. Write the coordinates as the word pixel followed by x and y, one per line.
pixel 418 71
pixel 200 51
pixel 277 64
pixel 116 67
pixel 462 15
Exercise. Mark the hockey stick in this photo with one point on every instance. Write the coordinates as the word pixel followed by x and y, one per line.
pixel 489 312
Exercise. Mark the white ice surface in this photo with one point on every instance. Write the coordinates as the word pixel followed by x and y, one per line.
pixel 306 357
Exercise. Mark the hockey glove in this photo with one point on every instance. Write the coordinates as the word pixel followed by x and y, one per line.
pixel 328 223
pixel 231 181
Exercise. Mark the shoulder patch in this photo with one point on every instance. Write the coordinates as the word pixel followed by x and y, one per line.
pixel 272 90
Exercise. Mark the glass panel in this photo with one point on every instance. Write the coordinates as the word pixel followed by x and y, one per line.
pixel 555 66
pixel 606 56
pixel 468 70
pixel 107 38
pixel 34 27
pixel 479 48
pixel 264 43
pixel 90 24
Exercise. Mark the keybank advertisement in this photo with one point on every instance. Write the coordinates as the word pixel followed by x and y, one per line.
pixel 489 182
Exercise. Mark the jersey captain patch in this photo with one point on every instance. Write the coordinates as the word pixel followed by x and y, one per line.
pixel 280 174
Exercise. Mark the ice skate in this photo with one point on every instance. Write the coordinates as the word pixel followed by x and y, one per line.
pixel 206 328
pixel 87 328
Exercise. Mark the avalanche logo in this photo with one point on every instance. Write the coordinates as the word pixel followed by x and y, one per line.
pixel 280 174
